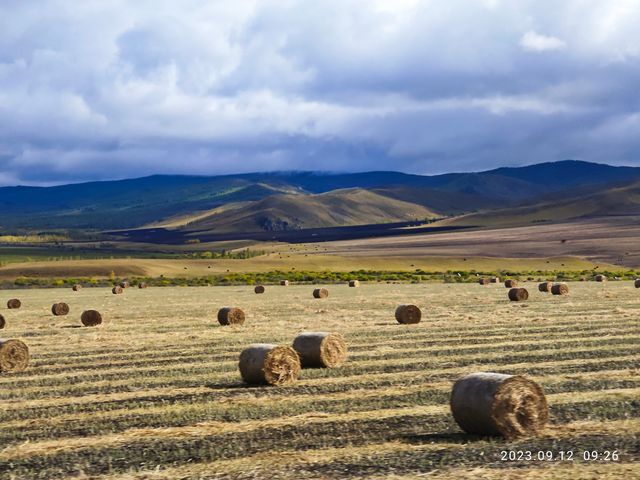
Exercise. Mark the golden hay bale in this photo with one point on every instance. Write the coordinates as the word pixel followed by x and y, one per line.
pixel 91 318
pixel 320 293
pixel 545 287
pixel 59 309
pixel 271 364
pixel 600 278
pixel 510 283
pixel 3 322
pixel 560 289
pixel 518 294
pixel 637 283
pixel 259 289
pixel 231 316
pixel 124 284
pixel 117 290
pixel 320 349
pixel 354 283
pixel 484 281
pixel 496 404
pixel 14 303
pixel 408 314
pixel 142 285
pixel 14 356
pixel 77 287
pixel 495 279
pixel 284 283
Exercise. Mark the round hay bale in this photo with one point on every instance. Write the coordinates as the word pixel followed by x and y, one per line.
pixel 14 356
pixel 14 303
pixel 124 284
pixel 284 283
pixel 600 278
pixel 545 287
pixel 3 322
pixel 354 283
pixel 271 364
pixel 510 283
pixel 496 404
pixel 142 285
pixel 518 294
pixel 320 293
pixel 91 318
pixel 320 349
pixel 59 309
pixel 259 289
pixel 77 287
pixel 637 283
pixel 560 289
pixel 495 279
pixel 117 290
pixel 483 281
pixel 408 314
pixel 231 316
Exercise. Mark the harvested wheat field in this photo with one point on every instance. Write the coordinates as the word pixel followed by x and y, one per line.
pixel 154 392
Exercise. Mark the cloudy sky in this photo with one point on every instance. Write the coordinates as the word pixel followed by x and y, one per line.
pixel 113 89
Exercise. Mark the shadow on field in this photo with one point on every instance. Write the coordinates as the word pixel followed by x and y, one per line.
pixel 452 437
pixel 71 326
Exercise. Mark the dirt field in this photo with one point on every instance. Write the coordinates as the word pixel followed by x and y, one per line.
pixel 603 240
pixel 155 392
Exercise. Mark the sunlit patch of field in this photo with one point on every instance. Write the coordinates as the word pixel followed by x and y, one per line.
pixel 154 393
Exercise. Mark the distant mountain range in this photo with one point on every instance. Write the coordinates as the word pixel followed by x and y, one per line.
pixel 299 200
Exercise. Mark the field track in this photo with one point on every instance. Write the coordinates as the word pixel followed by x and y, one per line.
pixel 154 393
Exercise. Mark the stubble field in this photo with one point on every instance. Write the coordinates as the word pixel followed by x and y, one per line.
pixel 155 392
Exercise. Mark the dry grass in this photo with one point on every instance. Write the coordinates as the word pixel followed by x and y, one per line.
pixel 155 392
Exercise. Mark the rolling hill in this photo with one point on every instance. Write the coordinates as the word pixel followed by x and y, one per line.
pixel 176 200
pixel 293 212
pixel 616 201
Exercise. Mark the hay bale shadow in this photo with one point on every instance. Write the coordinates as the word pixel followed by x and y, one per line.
pixel 71 326
pixel 442 437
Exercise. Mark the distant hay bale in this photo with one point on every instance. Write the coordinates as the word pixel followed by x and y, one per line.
pixel 637 283
pixel 320 293
pixel 14 303
pixel 271 364
pixel 560 289
pixel 117 290
pixel 496 404
pixel 510 283
pixel 600 278
pixel 518 294
pixel 231 316
pixel 124 284
pixel 142 285
pixel 320 349
pixel 60 309
pixel 284 283
pixel 77 287
pixel 91 318
pixel 14 356
pixel 3 322
pixel 484 281
pixel 259 289
pixel 545 287
pixel 354 283
pixel 408 314
pixel 495 280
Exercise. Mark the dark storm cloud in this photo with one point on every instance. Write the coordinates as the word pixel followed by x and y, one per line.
pixel 96 90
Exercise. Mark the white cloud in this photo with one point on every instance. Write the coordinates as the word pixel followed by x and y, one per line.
pixel 540 43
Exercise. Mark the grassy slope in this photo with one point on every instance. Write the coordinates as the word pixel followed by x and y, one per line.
pixel 337 208
pixel 155 392
pixel 615 201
